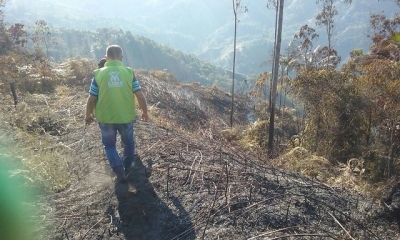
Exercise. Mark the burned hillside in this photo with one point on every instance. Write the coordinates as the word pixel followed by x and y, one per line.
pixel 188 183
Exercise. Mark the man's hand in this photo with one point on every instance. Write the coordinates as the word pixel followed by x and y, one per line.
pixel 91 103
pixel 145 117
pixel 142 104
pixel 89 120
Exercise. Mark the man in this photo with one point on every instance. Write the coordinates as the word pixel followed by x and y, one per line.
pixel 112 96
pixel 101 63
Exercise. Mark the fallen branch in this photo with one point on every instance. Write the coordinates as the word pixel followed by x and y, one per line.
pixel 210 212
pixel 84 236
pixel 348 234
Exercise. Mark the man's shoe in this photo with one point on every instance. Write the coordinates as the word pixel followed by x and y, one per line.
pixel 120 179
pixel 128 169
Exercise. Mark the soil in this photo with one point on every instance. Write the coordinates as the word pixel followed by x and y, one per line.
pixel 185 187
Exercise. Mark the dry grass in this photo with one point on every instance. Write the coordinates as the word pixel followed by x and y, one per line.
pixel 301 160
pixel 187 108
pixel 49 139
pixel 45 169
pixel 40 121
pixel 47 161
pixel 36 143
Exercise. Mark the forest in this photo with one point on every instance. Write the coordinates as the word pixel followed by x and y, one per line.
pixel 345 114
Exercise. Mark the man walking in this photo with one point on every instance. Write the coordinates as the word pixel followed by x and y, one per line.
pixel 112 98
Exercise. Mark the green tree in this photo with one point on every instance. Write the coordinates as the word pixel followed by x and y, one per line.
pixel 385 37
pixel 378 86
pixel 331 104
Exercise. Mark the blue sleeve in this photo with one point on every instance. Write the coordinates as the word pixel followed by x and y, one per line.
pixel 135 85
pixel 94 88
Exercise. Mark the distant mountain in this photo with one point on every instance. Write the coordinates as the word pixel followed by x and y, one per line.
pixel 139 53
pixel 205 28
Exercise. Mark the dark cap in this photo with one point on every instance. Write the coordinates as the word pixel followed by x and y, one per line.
pixel 101 63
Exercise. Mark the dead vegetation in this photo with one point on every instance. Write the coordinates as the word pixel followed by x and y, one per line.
pixel 191 181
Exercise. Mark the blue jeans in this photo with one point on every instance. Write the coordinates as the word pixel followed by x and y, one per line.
pixel 109 139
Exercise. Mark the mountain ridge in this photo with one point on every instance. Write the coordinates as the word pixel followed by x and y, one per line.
pixel 205 28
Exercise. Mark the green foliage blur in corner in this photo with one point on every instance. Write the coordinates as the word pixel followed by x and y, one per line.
pixel 17 217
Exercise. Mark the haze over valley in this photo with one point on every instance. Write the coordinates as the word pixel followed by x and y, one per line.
pixel 205 28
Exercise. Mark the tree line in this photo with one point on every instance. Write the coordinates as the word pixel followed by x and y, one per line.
pixel 40 45
pixel 347 112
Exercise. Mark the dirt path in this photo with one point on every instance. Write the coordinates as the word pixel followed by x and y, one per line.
pixel 94 207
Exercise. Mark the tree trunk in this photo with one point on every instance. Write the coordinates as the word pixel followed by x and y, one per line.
pixel 277 51
pixel 234 63
pixel 14 93
pixel 273 61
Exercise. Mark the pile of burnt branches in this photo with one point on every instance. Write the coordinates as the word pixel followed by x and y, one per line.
pixel 191 106
pixel 229 194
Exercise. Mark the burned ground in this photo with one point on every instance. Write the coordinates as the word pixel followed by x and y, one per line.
pixel 183 187
pixel 185 184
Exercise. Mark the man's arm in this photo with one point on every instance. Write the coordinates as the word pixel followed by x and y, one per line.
pixel 142 103
pixel 90 105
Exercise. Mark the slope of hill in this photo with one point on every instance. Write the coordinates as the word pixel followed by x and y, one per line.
pixel 139 53
pixel 205 28
pixel 188 182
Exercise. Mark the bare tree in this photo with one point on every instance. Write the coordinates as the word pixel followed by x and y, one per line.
pixel 277 50
pixel 42 41
pixel 304 40
pixel 236 9
pixel 326 18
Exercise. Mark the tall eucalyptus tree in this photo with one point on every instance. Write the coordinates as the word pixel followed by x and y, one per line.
pixel 326 18
pixel 275 72
pixel 237 8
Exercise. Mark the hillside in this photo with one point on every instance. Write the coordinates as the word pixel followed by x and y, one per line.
pixel 189 181
pixel 205 28
pixel 139 53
